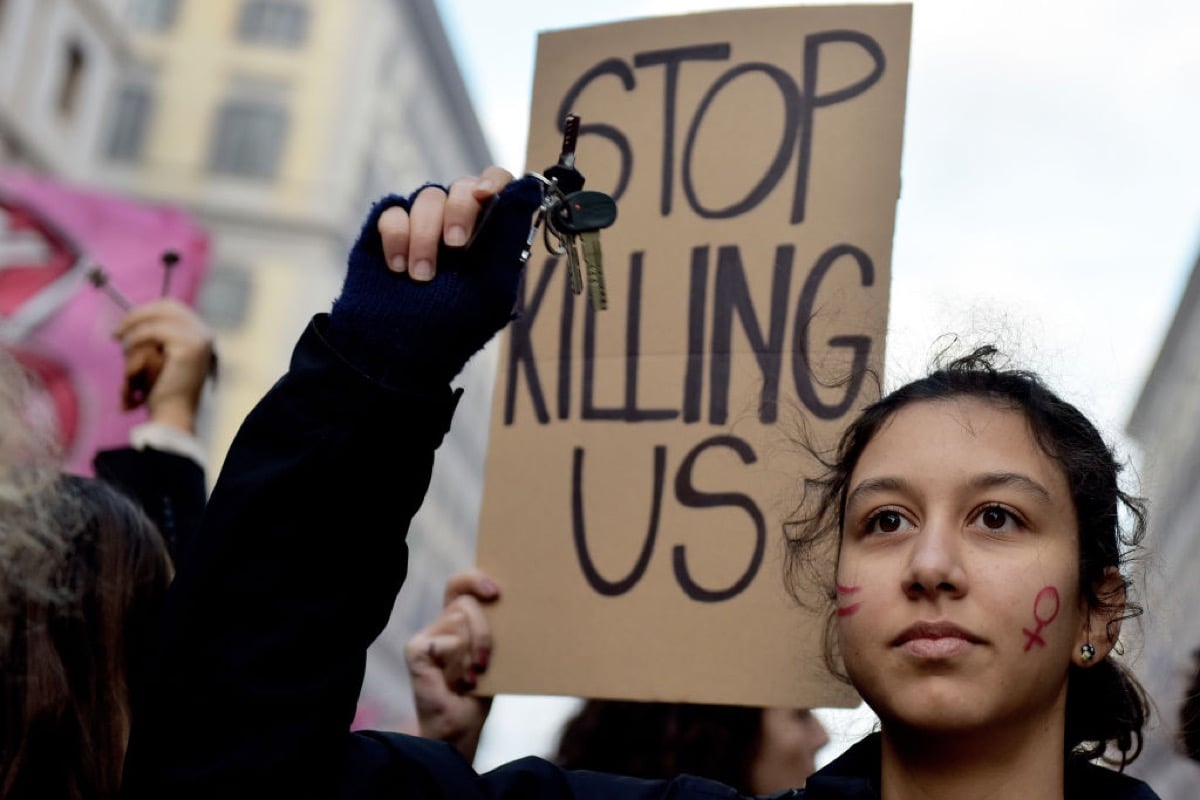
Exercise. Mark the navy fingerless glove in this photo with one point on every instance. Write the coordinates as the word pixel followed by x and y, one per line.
pixel 403 332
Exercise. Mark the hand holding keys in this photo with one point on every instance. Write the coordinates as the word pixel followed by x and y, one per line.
pixel 570 213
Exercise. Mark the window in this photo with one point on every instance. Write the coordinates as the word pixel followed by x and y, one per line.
pixel 72 79
pixel 249 137
pixel 274 22
pixel 130 118
pixel 225 297
pixel 153 15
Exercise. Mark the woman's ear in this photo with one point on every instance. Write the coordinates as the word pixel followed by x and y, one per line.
pixel 1102 624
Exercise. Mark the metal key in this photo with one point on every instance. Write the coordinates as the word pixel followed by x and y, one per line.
pixel 594 263
pixel 563 174
pixel 573 265
pixel 566 241
pixel 584 214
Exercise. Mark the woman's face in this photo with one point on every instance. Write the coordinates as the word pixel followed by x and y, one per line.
pixel 959 604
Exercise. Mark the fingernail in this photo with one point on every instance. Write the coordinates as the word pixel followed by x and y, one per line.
pixel 456 236
pixel 481 659
pixel 399 263
pixel 485 186
pixel 489 586
pixel 422 270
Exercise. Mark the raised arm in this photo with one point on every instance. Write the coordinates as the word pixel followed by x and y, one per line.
pixel 255 677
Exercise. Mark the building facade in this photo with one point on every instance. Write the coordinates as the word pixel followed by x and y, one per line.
pixel 59 60
pixel 1164 424
pixel 275 123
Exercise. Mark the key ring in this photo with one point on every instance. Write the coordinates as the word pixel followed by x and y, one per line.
pixel 551 194
pixel 554 249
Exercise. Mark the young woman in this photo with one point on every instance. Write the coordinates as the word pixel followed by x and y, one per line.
pixel 978 588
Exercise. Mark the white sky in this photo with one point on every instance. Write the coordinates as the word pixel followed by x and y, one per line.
pixel 1051 182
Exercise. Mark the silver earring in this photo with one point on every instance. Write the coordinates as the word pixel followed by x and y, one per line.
pixel 1087 652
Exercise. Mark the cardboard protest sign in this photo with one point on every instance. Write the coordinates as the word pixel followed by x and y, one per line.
pixel 643 458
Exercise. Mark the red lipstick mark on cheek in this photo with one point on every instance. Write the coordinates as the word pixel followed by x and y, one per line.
pixel 844 592
pixel 1045 609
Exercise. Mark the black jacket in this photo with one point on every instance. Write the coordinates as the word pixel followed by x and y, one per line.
pixel 855 776
pixel 302 551
pixel 168 487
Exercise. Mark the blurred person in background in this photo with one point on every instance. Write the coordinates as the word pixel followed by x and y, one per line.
pixel 169 356
pixel 83 573
pixel 754 750
pixel 85 569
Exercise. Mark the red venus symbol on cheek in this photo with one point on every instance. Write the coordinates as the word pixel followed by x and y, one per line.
pixel 1045 609
pixel 844 591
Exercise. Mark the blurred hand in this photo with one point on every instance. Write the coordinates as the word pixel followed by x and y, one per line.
pixel 445 660
pixel 410 240
pixel 168 356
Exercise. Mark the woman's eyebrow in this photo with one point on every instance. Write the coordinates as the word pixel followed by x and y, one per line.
pixel 1012 480
pixel 870 485
pixel 989 480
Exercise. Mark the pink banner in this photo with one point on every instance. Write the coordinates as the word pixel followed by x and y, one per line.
pixel 56 322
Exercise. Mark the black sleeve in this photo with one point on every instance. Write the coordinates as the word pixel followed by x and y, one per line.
pixel 402 766
pixel 253 683
pixel 168 487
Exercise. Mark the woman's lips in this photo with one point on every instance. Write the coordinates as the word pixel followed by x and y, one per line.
pixel 936 640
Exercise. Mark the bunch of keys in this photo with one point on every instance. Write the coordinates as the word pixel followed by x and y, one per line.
pixel 571 213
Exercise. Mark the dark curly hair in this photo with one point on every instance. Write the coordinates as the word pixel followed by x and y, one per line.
pixel 1189 715
pixel 1105 703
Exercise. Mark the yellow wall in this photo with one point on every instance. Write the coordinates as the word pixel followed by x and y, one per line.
pixel 196 64
pixel 198 61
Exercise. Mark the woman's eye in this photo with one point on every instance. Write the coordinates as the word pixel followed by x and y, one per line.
pixel 997 518
pixel 887 522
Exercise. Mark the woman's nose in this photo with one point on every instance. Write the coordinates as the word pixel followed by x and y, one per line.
pixel 935 562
